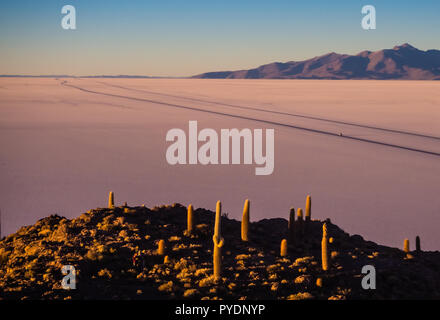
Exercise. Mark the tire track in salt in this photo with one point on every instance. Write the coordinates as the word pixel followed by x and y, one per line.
pixel 359 125
pixel 328 133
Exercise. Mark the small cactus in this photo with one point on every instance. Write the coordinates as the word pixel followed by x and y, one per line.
pixel 406 245
pixel 218 243
pixel 245 221
pixel 111 200
pixel 319 282
pixel 190 218
pixel 324 247
pixel 291 226
pixel 283 249
pixel 418 248
pixel 299 222
pixel 308 208
pixel 161 247
pixel 299 213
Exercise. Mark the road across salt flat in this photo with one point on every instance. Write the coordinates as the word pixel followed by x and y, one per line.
pixel 275 112
pixel 64 146
pixel 309 128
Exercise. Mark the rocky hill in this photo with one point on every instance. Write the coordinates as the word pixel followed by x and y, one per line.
pixel 401 62
pixel 115 255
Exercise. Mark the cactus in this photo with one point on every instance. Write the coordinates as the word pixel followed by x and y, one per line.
pixel 111 200
pixel 418 248
pixel 161 247
pixel 299 213
pixel 406 245
pixel 283 249
pixel 190 219
pixel 308 208
pixel 319 282
pixel 218 243
pixel 324 248
pixel 299 222
pixel 245 221
pixel 291 226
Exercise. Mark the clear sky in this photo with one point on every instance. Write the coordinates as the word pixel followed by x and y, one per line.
pixel 181 38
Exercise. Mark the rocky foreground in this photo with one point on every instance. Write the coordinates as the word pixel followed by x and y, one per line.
pixel 115 255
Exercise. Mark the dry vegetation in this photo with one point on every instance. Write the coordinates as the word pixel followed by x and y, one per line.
pixel 101 245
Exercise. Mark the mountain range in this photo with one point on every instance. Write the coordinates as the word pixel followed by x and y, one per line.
pixel 401 62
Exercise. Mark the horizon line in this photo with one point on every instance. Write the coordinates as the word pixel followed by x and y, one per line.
pixel 122 76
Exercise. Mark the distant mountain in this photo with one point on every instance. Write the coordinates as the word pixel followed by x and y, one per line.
pixel 401 62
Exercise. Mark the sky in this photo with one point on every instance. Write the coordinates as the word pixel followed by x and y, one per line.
pixel 184 38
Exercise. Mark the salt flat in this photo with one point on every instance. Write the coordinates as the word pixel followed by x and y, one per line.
pixel 66 142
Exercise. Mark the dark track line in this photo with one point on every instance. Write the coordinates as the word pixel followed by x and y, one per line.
pixel 255 119
pixel 280 113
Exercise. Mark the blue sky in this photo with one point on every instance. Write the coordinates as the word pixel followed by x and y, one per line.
pixel 181 38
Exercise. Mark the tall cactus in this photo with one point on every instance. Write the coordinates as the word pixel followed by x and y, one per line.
pixel 245 221
pixel 111 200
pixel 161 247
pixel 406 245
pixel 418 248
pixel 308 208
pixel 218 243
pixel 324 247
pixel 190 219
pixel 283 249
pixel 291 226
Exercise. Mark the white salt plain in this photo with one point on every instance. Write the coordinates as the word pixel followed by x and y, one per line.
pixel 65 143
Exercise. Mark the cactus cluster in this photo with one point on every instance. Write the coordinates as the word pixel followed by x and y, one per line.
pixel 296 230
